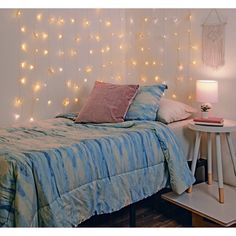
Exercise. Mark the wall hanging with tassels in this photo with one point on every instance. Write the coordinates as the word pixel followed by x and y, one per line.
pixel 213 41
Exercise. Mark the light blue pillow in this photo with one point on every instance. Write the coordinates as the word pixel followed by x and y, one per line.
pixel 146 103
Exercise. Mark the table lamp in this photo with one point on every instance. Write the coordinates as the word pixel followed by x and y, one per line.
pixel 207 93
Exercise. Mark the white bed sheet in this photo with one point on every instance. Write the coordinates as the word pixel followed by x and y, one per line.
pixel 185 136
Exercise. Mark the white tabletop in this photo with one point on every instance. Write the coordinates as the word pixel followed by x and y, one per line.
pixel 229 126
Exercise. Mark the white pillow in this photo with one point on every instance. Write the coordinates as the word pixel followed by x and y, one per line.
pixel 171 111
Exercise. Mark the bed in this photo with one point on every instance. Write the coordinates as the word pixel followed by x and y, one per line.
pixel 56 173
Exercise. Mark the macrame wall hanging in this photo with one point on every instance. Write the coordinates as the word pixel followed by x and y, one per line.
pixel 213 40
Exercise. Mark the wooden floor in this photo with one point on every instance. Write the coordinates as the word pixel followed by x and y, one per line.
pixel 151 212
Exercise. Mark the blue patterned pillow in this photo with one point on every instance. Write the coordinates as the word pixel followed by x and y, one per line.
pixel 146 103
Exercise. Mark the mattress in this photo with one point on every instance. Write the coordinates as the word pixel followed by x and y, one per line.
pixel 185 137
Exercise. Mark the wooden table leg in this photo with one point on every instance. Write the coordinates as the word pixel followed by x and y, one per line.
pixel 231 149
pixel 209 158
pixel 195 155
pixel 219 168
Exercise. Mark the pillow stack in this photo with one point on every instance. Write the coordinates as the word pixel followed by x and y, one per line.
pixel 111 103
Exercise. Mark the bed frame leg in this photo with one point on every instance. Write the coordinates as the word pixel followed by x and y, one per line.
pixel 132 215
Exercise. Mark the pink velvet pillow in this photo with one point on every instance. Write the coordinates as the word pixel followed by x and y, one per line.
pixel 107 103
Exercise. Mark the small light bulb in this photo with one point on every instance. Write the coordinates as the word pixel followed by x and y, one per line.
pixel 156 78
pixel 72 20
pixel 86 23
pixel 16 116
pixel 88 69
pixel 189 97
pixel 164 36
pixel 156 21
pixel 90 52
pixel 39 17
pixel 194 62
pixel 18 102
pixel 76 100
pixel 37 99
pixel 76 87
pixel 77 39
pixel 23 80
pixel 134 63
pixel 49 102
pixel 24 47
pixel 23 29
pixel 51 70
pixel 85 80
pixel 194 47
pixel 45 52
pixel 36 87
pixel 146 63
pixel 23 64
pixel 98 38
pixel 69 83
pixel 60 69
pixel 174 96
pixel 60 36
pixel 66 102
pixel 108 48
pixel 180 67
pixel 52 20
pixel 31 119
pixel 18 13
pixel 107 23
pixel 143 79
pixel 36 34
pixel 60 21
pixel 44 35
pixel 73 52
pixel 142 49
pixel 31 67
pixel 146 19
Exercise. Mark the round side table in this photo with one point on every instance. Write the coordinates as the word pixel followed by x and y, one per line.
pixel 227 129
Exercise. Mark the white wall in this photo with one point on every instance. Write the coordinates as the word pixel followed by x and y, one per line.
pixel 130 30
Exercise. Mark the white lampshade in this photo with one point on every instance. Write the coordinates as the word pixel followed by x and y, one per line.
pixel 207 91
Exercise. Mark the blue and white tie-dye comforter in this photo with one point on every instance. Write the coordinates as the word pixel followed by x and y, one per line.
pixel 58 173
